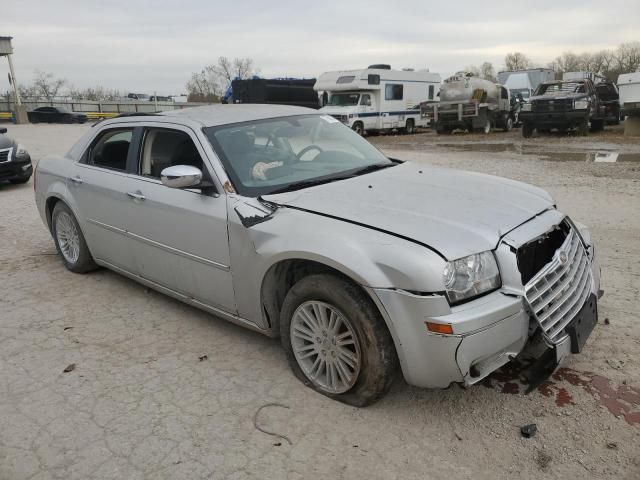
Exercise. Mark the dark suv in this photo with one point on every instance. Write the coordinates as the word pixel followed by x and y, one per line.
pixel 563 105
pixel 15 162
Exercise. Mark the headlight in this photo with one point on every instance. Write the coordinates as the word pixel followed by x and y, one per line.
pixel 21 151
pixel 470 276
pixel 581 104
pixel 526 107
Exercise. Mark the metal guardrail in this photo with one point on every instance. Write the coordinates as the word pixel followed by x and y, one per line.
pixel 123 106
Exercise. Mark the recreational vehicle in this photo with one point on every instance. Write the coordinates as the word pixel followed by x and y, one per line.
pixel 378 98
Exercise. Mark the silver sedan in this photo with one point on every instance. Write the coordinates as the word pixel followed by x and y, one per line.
pixel 284 221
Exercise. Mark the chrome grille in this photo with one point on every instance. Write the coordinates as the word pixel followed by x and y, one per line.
pixel 5 155
pixel 558 292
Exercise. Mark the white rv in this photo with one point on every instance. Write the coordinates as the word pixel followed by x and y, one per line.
pixel 378 98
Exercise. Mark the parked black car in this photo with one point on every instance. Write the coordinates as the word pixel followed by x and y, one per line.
pixel 15 162
pixel 563 105
pixel 55 115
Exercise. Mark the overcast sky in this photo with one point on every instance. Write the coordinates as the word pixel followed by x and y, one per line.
pixel 148 46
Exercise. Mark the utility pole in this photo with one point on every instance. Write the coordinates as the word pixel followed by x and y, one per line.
pixel 6 50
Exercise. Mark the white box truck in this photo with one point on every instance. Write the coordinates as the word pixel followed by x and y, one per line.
pixel 378 98
pixel 629 88
pixel 524 82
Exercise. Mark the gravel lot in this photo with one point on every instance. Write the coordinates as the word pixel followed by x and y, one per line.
pixel 162 390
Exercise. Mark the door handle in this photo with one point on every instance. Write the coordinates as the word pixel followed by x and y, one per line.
pixel 136 195
pixel 77 180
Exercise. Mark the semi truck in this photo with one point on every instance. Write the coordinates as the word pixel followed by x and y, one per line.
pixel 470 103
pixel 378 98
pixel 524 82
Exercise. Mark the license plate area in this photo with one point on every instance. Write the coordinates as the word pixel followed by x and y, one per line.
pixel 581 327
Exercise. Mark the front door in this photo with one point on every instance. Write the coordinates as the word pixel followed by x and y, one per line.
pixel 179 236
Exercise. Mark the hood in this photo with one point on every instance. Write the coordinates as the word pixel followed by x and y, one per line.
pixel 6 142
pixel 560 96
pixel 453 212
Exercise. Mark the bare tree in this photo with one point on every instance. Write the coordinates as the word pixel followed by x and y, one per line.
pixel 203 86
pixel 47 85
pixel 94 94
pixel 569 62
pixel 627 57
pixel 209 84
pixel 487 71
pixel 228 70
pixel 517 61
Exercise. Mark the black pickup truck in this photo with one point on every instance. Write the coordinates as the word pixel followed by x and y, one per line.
pixel 563 105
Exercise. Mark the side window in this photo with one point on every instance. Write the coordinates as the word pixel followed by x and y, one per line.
pixel 365 100
pixel 393 91
pixel 111 149
pixel 431 92
pixel 373 79
pixel 164 148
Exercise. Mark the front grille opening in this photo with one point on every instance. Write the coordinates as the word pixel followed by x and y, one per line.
pixel 534 255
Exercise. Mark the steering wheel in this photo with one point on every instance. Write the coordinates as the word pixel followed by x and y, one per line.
pixel 308 148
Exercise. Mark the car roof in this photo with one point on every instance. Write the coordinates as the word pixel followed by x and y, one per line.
pixel 220 114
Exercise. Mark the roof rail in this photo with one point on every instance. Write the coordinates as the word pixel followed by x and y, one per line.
pixel 129 114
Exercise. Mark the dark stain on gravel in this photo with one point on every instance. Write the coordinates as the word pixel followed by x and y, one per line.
pixel 623 401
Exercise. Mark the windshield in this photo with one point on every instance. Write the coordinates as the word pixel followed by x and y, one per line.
pixel 344 99
pixel 288 153
pixel 522 91
pixel 561 88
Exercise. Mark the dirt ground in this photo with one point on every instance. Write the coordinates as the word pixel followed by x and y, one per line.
pixel 161 390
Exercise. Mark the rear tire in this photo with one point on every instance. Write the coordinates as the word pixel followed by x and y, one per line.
pixel 583 128
pixel 409 127
pixel 443 130
pixel 597 125
pixel 345 353
pixel 70 241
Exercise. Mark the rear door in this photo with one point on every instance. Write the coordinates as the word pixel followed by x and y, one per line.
pixel 99 184
pixel 180 235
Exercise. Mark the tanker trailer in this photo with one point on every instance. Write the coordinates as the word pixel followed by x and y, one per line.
pixel 470 103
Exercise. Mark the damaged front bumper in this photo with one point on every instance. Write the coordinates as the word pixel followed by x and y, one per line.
pixel 487 332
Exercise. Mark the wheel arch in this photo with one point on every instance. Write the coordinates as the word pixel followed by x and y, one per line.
pixel 284 273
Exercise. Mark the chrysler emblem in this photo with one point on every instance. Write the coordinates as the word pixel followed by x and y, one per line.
pixel 563 257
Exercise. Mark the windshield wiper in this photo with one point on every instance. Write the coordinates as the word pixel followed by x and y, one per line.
pixel 371 168
pixel 309 183
pixel 319 181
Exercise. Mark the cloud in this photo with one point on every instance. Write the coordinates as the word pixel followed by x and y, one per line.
pixel 154 46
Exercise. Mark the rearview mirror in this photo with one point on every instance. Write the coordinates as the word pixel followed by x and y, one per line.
pixel 3 130
pixel 181 176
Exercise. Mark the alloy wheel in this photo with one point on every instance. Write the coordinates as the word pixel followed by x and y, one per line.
pixel 325 346
pixel 68 237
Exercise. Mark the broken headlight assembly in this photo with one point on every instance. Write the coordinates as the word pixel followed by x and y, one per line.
pixel 471 276
pixel 526 107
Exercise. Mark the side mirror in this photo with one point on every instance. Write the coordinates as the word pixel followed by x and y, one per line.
pixel 3 130
pixel 181 176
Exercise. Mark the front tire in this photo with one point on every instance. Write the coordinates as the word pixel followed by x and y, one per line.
pixel 508 123
pixel 70 241
pixel 527 130
pixel 336 341
pixel 358 127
